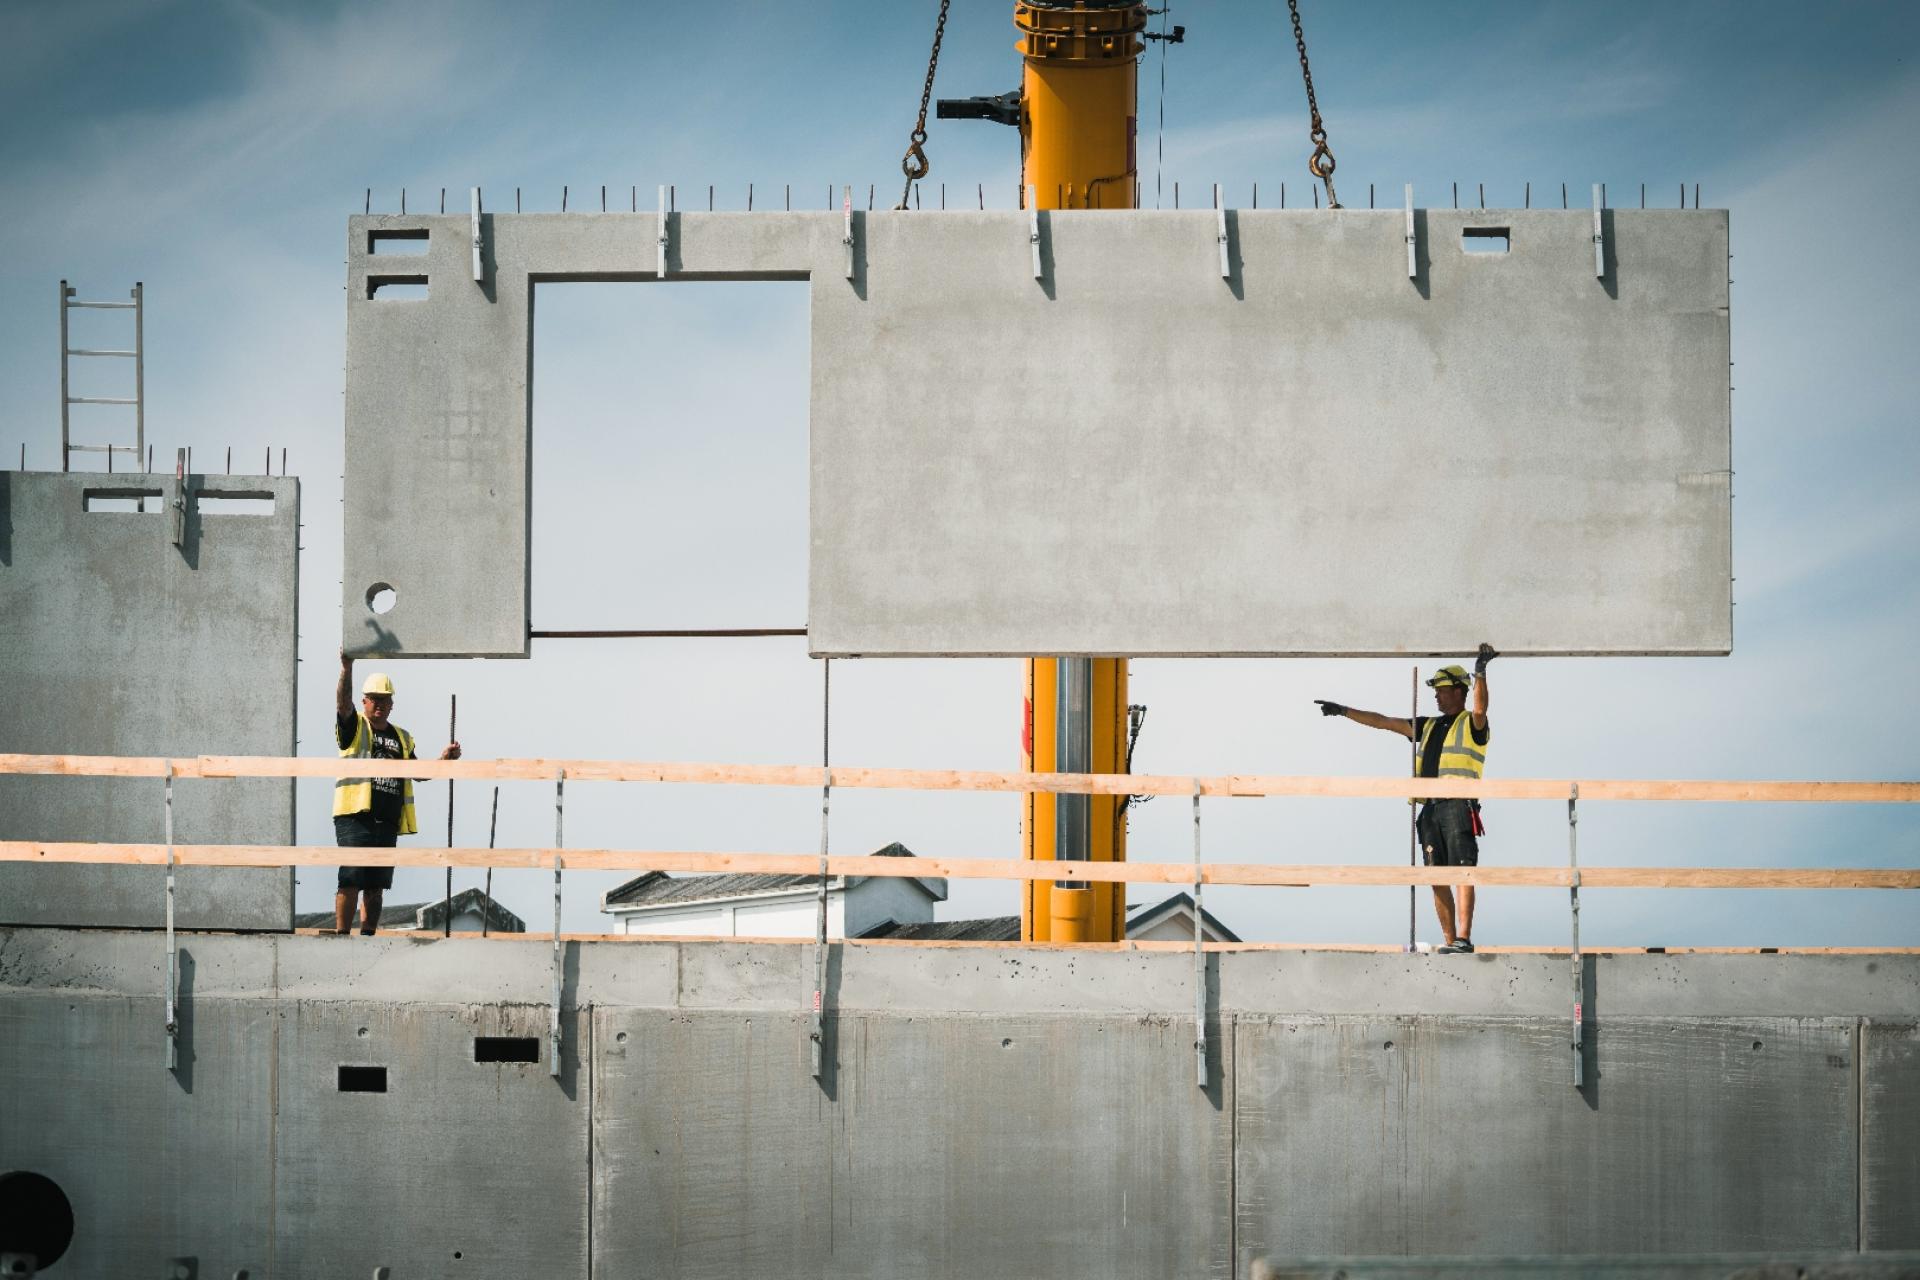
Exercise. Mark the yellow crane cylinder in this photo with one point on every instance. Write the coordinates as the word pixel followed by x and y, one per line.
pixel 1078 117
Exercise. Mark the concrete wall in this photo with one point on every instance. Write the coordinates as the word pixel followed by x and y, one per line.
pixel 117 642
pixel 1313 455
pixel 987 1110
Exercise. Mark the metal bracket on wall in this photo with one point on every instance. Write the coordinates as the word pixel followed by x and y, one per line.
pixel 559 964
pixel 1573 864
pixel 173 942
pixel 1220 234
pixel 1413 240
pixel 846 238
pixel 1033 230
pixel 660 240
pixel 1199 956
pixel 177 505
pixel 479 272
pixel 1599 236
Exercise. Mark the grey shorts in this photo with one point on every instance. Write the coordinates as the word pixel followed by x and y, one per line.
pixel 1446 834
pixel 364 831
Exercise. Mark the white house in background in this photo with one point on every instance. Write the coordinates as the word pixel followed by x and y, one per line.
pixel 1168 920
pixel 780 906
pixel 772 906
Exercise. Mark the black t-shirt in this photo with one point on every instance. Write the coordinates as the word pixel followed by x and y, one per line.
pixel 389 794
pixel 1442 726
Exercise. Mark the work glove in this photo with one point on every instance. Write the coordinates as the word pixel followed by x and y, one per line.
pixel 1330 708
pixel 1487 655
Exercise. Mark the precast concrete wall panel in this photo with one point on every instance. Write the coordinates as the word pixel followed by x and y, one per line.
pixel 1462 1136
pixel 1890 1138
pixel 934 1147
pixel 1126 449
pixel 459 1167
pixel 119 642
pixel 157 1164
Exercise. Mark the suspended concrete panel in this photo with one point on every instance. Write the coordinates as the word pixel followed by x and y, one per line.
pixel 120 641
pixel 1147 433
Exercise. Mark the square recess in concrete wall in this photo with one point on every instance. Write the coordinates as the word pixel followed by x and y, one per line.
pixel 120 642
pixel 1112 443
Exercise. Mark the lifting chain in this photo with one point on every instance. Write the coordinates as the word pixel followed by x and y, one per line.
pixel 1320 164
pixel 915 164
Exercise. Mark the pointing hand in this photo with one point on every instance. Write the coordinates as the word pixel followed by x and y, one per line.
pixel 1330 708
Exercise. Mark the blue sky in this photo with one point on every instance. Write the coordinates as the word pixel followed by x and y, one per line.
pixel 214 150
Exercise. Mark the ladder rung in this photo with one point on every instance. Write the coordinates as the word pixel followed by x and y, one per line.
pixel 99 400
pixel 104 306
pixel 82 351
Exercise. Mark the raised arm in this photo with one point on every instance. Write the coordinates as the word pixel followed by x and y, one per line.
pixel 1487 655
pixel 1371 719
pixel 343 692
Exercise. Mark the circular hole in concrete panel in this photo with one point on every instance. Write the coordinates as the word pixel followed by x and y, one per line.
pixel 1006 1044
pixel 1387 1045
pixel 362 1033
pixel 35 1217
pixel 456 1255
pixel 381 597
pixel 620 1037
pixel 1756 1046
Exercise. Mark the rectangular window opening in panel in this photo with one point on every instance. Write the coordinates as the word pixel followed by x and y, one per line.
pixel 669 485
pixel 139 501
pixel 396 243
pixel 1485 239
pixel 234 503
pixel 397 288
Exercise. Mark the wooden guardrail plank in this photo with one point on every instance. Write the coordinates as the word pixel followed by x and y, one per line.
pixel 688 861
pixel 540 769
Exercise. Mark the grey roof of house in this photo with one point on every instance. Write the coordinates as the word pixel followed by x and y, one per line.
pixel 658 888
pixel 987 929
pixel 1140 918
pixel 427 915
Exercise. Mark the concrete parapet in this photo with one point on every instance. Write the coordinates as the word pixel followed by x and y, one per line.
pixel 986 1109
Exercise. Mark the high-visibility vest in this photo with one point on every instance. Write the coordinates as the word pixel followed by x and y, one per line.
pixel 1460 755
pixel 355 795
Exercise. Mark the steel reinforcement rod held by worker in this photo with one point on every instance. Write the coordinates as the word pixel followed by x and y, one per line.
pixel 370 813
pixel 1453 744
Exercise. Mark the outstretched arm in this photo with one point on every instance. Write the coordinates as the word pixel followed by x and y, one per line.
pixel 1371 719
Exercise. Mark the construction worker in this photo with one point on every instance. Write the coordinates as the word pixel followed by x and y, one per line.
pixel 369 813
pixel 1452 745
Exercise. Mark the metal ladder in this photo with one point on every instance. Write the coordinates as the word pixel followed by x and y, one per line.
pixel 67 400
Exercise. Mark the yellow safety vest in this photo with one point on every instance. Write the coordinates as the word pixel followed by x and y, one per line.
pixel 1460 755
pixel 355 795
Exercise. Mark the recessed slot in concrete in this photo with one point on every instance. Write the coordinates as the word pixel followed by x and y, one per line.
pixel 506 1049
pixel 397 242
pixel 135 500
pixel 381 597
pixel 234 504
pixel 363 1079
pixel 397 288
pixel 1485 239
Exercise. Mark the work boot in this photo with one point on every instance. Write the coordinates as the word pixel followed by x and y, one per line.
pixel 1460 947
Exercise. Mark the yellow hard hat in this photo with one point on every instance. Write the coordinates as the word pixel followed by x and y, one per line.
pixel 1448 677
pixel 379 685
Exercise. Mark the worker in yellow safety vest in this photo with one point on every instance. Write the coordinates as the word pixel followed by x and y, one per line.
pixel 369 813
pixel 1453 744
